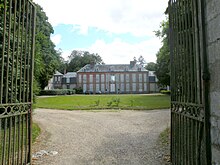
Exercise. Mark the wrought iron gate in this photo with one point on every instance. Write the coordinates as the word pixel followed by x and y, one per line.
pixel 17 35
pixel 190 141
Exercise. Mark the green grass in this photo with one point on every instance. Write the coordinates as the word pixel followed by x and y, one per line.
pixel 95 102
pixel 164 137
pixel 35 132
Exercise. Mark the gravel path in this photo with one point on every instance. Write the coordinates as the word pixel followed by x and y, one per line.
pixel 96 138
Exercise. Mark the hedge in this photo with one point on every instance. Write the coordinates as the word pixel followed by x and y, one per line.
pixel 165 92
pixel 58 92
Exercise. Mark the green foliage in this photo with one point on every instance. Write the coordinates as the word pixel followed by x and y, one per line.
pixel 79 90
pixel 47 59
pixel 114 102
pixel 165 92
pixel 164 137
pixel 132 103
pixel 97 102
pixel 57 92
pixel 35 131
pixel 86 102
pixel 163 56
pixel 79 59
pixel 151 66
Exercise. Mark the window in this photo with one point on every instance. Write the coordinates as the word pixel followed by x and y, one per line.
pixel 84 88
pixel 80 78
pixel 145 77
pixel 67 80
pixel 152 79
pixel 55 78
pixel 117 77
pixel 140 87
pixel 145 87
pixel 102 78
pixel 97 78
pixel 140 77
pixel 59 79
pixel 122 77
pixel 84 78
pixel 103 87
pixel 91 78
pixel 112 78
pixel 107 77
pixel 127 78
pixel 112 87
pixel 127 87
pixel 133 77
pixel 90 87
pixel 122 87
pixel 97 88
pixel 133 87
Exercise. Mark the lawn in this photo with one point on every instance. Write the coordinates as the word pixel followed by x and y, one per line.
pixel 94 102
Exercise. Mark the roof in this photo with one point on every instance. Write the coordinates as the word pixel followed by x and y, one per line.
pixel 112 68
pixel 70 74
pixel 152 73
pixel 57 73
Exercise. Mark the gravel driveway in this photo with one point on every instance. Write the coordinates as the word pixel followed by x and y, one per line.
pixel 100 137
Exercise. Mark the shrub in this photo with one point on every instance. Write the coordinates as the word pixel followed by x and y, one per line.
pixel 78 90
pixel 113 102
pixel 97 102
pixel 165 92
pixel 57 92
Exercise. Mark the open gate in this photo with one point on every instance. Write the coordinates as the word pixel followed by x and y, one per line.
pixel 17 35
pixel 190 133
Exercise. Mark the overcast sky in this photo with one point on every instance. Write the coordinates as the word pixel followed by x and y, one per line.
pixel 117 30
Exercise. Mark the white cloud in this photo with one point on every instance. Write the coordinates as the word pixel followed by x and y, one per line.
pixel 66 53
pixel 139 17
pixel 119 52
pixel 56 39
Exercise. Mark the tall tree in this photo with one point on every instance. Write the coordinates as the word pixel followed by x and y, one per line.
pixel 163 55
pixel 79 59
pixel 151 66
pixel 47 59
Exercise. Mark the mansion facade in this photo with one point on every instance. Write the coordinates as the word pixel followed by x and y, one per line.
pixel 107 78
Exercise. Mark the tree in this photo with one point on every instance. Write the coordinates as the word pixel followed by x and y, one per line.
pixel 151 66
pixel 163 55
pixel 47 59
pixel 79 59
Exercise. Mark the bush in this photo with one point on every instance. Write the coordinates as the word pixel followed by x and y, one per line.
pixel 78 90
pixel 57 92
pixel 167 92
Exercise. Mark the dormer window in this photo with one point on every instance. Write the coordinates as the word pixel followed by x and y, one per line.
pixel 139 69
pixel 96 69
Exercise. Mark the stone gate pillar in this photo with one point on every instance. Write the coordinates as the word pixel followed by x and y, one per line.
pixel 212 10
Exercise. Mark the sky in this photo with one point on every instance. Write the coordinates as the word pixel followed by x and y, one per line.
pixel 118 30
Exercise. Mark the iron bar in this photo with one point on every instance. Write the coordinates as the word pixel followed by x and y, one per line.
pixel 3 52
pixel 8 54
pixel 14 141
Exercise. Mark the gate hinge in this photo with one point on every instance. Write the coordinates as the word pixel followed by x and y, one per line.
pixel 206 76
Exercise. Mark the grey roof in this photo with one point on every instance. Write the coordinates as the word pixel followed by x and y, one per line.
pixel 57 73
pixel 70 74
pixel 112 68
pixel 151 73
